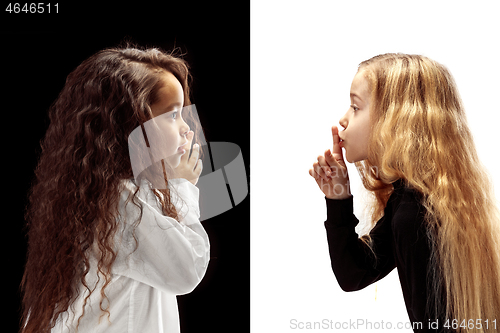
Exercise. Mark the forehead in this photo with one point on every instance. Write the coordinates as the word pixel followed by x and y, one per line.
pixel 360 86
pixel 171 89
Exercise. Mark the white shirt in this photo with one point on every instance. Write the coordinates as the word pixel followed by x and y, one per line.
pixel 171 259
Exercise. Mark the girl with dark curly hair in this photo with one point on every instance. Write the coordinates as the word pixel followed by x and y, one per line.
pixel 108 252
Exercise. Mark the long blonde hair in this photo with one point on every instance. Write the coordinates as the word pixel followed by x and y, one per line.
pixel 420 134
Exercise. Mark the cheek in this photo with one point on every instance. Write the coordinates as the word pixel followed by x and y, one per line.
pixel 354 133
pixel 363 129
pixel 171 143
pixel 357 137
pixel 163 140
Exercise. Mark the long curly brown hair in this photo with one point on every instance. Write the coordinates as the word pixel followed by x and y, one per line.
pixel 84 158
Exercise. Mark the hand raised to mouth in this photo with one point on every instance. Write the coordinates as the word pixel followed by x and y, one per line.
pixel 190 165
pixel 330 171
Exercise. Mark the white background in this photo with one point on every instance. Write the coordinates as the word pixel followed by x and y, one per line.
pixel 304 55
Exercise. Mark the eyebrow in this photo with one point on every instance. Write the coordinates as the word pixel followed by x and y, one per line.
pixel 172 105
pixel 168 109
pixel 354 95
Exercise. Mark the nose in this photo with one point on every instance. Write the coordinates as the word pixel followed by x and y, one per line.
pixel 184 129
pixel 344 120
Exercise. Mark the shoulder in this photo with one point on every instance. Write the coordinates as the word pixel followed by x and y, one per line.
pixel 404 196
pixel 136 200
pixel 144 190
pixel 140 193
pixel 183 195
pixel 408 212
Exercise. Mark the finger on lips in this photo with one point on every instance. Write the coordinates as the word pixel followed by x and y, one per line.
pixel 195 153
pixel 336 140
pixel 189 137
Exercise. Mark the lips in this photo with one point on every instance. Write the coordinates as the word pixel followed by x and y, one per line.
pixel 341 141
pixel 182 148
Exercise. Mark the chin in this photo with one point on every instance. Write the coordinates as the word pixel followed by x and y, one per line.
pixel 356 158
pixel 173 161
pixel 349 158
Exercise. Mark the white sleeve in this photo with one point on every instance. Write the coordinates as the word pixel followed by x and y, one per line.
pixel 171 256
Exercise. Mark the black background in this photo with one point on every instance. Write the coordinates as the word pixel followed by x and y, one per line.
pixel 38 51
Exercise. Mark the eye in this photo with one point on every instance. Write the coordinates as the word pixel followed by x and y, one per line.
pixel 174 115
pixel 354 107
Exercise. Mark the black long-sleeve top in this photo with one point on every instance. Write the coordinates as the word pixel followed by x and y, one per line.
pixel 399 239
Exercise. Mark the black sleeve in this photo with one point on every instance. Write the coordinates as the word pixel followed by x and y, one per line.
pixel 354 264
pixel 412 254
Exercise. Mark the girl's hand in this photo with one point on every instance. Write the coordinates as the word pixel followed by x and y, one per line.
pixel 190 166
pixel 330 171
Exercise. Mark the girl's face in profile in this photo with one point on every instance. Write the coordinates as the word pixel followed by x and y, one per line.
pixel 167 113
pixel 356 121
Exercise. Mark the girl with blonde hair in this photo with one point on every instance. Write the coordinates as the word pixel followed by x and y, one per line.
pixel 434 214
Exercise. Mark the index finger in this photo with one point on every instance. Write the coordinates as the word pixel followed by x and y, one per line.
pixel 187 147
pixel 189 137
pixel 336 140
